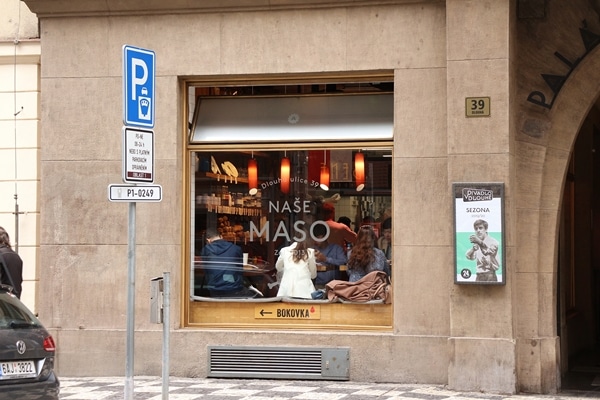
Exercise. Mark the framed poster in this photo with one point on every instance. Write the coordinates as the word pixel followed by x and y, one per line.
pixel 479 233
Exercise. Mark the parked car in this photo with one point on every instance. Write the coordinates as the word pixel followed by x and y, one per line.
pixel 26 353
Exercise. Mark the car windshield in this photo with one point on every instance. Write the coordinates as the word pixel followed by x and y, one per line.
pixel 13 314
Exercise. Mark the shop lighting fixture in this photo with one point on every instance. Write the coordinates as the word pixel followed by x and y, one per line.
pixel 252 176
pixel 285 174
pixel 324 173
pixel 359 170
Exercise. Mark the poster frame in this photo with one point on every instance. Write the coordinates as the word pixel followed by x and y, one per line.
pixel 488 204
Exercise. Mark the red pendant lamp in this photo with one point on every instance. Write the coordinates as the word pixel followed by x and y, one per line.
pixel 285 174
pixel 252 176
pixel 324 179
pixel 359 170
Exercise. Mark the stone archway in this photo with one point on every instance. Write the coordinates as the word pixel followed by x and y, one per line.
pixel 541 172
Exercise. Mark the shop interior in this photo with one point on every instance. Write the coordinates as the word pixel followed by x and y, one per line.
pixel 264 158
pixel 261 200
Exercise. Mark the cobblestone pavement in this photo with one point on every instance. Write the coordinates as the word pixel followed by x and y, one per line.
pixel 150 388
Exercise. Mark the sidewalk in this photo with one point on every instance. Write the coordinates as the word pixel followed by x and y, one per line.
pixel 150 388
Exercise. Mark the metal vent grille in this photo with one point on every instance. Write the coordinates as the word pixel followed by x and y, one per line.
pixel 278 362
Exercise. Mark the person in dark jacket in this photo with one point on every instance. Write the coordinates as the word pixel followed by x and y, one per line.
pixel 11 273
pixel 223 268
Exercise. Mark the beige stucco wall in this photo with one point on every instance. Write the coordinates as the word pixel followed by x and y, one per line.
pixel 498 339
pixel 481 149
pixel 19 137
pixel 87 249
pixel 17 21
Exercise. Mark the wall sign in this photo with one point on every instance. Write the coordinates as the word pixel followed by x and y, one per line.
pixel 287 311
pixel 477 107
pixel 139 68
pixel 138 155
pixel 479 233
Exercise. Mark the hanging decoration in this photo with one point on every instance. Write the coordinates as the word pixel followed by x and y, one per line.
pixel 324 179
pixel 359 170
pixel 285 174
pixel 252 176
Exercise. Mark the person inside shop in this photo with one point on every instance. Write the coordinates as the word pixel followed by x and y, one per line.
pixel 345 220
pixel 365 256
pixel 11 264
pixel 367 220
pixel 298 268
pixel 348 222
pixel 329 257
pixel 223 268
pixel 339 233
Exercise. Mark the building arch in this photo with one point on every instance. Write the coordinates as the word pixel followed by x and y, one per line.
pixel 573 103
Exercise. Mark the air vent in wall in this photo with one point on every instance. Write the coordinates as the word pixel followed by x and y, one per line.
pixel 278 362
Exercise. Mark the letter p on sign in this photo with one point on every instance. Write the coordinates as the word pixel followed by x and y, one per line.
pixel 138 87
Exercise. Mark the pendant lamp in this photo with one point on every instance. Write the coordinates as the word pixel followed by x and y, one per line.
pixel 285 174
pixel 359 170
pixel 324 180
pixel 252 176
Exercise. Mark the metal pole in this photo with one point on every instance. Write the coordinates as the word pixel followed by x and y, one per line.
pixel 130 302
pixel 16 233
pixel 16 224
pixel 166 328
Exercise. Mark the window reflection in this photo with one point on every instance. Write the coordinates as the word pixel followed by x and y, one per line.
pixel 238 233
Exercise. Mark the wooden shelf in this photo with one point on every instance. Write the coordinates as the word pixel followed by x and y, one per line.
pixel 231 210
pixel 220 178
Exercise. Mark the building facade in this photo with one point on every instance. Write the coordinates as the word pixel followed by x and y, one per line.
pixel 441 100
pixel 19 138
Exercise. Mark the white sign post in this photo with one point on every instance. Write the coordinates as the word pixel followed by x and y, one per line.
pixel 138 167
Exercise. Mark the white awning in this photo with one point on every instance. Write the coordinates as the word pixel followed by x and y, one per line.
pixel 293 119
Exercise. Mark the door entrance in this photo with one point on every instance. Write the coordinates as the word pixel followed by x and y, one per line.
pixel 579 263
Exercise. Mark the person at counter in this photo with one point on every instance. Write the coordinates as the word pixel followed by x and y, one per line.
pixel 339 233
pixel 223 269
pixel 345 220
pixel 329 257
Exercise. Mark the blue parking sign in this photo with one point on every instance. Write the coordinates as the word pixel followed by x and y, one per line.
pixel 138 87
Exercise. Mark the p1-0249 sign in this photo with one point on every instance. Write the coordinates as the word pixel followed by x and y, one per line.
pixel 135 193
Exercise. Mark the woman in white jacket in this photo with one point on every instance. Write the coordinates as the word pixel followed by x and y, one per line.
pixel 298 266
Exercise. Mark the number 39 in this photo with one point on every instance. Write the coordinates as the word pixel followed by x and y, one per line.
pixel 477 104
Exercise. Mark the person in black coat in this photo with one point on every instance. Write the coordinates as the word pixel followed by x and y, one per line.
pixel 11 273
pixel 223 268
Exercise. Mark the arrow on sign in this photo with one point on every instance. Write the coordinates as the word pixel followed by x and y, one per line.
pixel 263 312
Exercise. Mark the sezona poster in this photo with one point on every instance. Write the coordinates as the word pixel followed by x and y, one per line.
pixel 479 238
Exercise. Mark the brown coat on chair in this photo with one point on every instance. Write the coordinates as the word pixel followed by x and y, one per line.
pixel 373 286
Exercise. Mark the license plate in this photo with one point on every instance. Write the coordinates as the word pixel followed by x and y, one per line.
pixel 17 369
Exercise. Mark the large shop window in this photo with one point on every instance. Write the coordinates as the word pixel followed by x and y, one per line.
pixel 275 216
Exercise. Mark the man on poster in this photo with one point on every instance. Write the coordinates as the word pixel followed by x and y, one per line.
pixel 484 251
